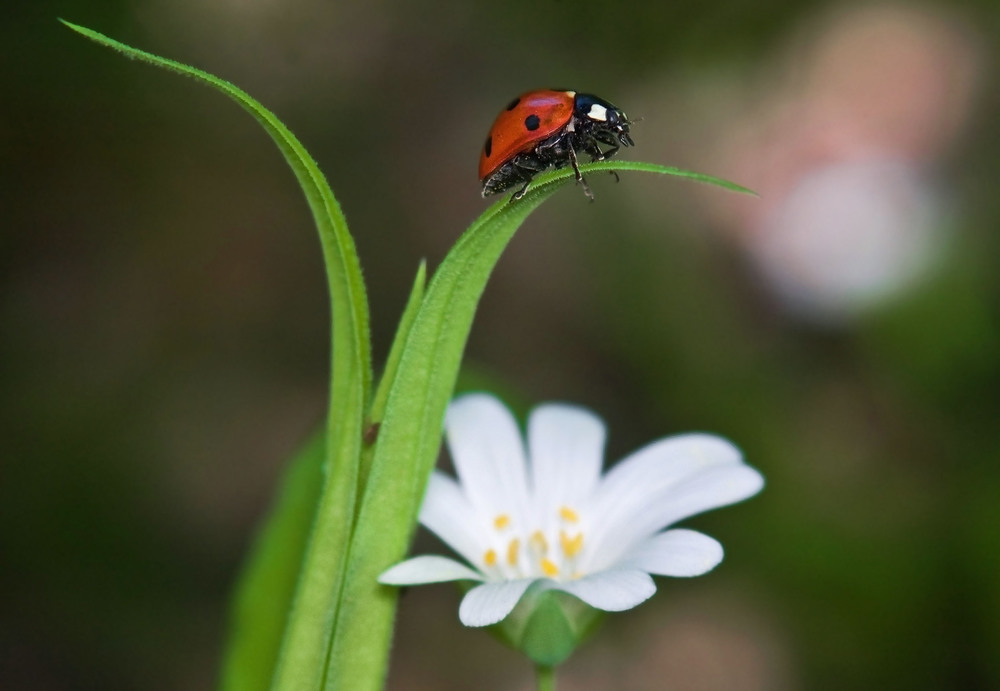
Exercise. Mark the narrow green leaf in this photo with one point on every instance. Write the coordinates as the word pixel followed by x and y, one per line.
pixel 264 592
pixel 410 434
pixel 410 312
pixel 373 423
pixel 409 439
pixel 620 166
pixel 307 638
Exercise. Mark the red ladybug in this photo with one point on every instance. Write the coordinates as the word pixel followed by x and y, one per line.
pixel 547 128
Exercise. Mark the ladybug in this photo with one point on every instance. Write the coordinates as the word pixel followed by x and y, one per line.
pixel 549 127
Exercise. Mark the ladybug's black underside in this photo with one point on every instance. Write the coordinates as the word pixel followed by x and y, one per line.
pixel 582 135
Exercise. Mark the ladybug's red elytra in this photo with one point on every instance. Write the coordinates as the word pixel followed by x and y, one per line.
pixel 546 128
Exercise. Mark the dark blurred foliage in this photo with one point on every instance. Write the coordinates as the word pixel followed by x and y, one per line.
pixel 164 335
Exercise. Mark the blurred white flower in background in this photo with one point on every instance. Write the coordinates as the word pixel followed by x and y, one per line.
pixel 848 236
pixel 845 155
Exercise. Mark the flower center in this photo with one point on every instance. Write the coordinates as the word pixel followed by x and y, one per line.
pixel 532 552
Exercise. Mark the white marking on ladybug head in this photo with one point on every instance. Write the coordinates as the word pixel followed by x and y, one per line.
pixel 597 112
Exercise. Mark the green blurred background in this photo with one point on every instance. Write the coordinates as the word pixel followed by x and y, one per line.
pixel 164 327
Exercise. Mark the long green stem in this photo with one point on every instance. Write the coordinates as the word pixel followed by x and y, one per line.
pixel 546 677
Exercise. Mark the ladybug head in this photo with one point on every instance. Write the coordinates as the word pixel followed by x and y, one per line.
pixel 619 122
pixel 604 117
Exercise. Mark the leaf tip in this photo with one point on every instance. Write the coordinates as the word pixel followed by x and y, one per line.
pixel 745 190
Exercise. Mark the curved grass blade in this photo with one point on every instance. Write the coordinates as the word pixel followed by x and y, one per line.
pixel 307 636
pixel 410 434
pixel 264 593
pixel 408 442
pixel 373 423
pixel 619 166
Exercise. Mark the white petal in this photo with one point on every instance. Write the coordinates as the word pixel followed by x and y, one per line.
pixel 611 591
pixel 566 447
pixel 710 490
pixel 668 461
pixel 663 483
pixel 447 513
pixel 675 553
pixel 488 453
pixel 427 569
pixel 490 602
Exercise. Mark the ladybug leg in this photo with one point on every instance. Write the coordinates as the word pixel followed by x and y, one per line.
pixel 520 192
pixel 594 149
pixel 525 174
pixel 526 168
pixel 579 175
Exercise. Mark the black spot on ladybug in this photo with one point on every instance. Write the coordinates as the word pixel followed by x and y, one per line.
pixel 489 146
pixel 532 122
pixel 513 104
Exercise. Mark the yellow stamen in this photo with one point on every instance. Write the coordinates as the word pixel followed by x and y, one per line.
pixel 550 569
pixel 539 543
pixel 501 521
pixel 569 515
pixel 570 546
pixel 490 557
pixel 512 550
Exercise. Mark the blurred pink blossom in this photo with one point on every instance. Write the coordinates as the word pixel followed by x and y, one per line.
pixel 843 153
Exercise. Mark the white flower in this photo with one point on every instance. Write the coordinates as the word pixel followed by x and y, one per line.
pixel 549 519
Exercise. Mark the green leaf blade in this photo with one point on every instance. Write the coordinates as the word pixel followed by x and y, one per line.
pixel 410 434
pixel 310 626
pixel 409 439
pixel 377 411
pixel 619 166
